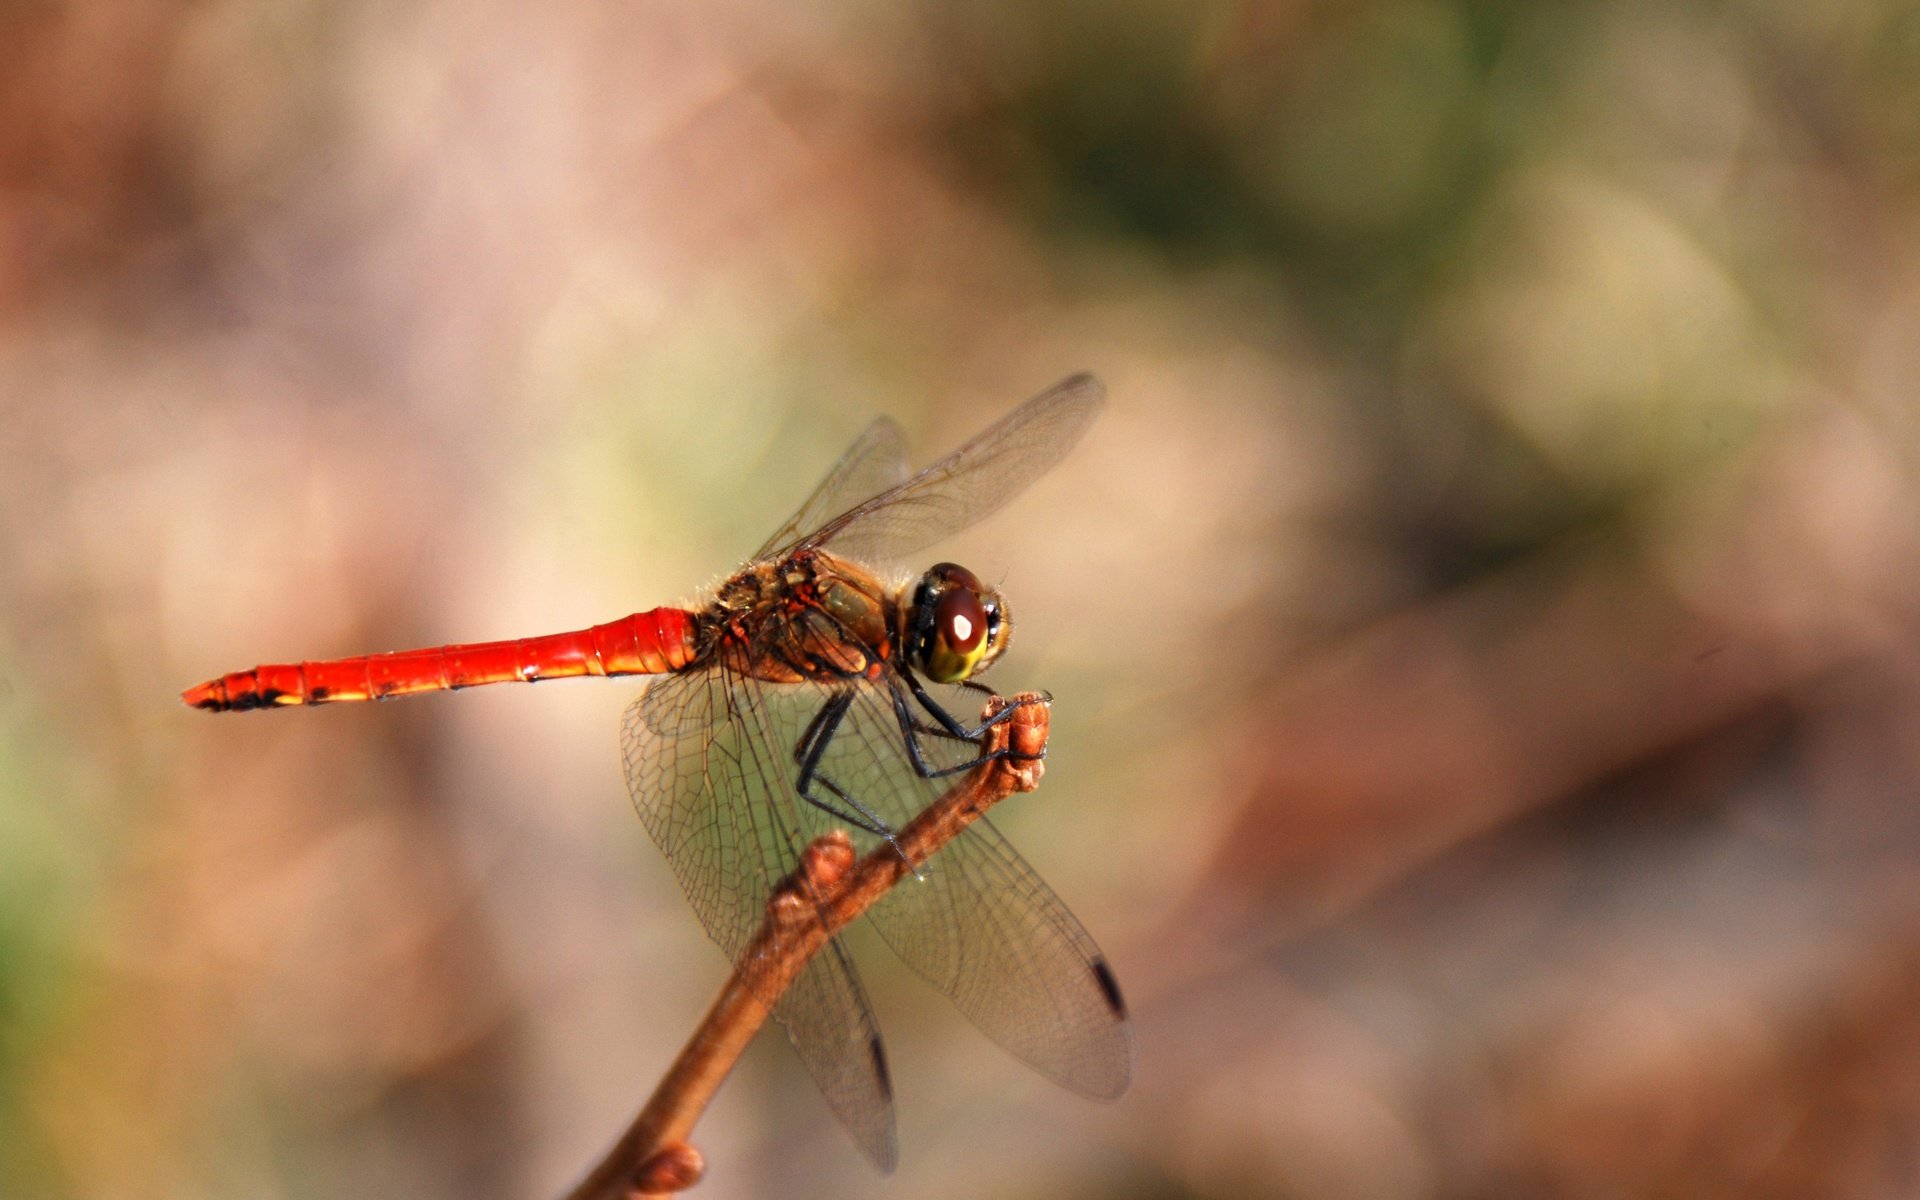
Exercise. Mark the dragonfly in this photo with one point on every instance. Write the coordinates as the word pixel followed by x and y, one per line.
pixel 815 690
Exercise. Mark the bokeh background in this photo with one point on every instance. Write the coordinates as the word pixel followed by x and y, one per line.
pixel 1484 625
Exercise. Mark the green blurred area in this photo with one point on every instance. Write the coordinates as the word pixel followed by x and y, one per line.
pixel 1482 625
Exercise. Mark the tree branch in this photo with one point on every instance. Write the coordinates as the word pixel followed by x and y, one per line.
pixel 826 892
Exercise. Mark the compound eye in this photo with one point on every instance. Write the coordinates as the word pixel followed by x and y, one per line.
pixel 961 620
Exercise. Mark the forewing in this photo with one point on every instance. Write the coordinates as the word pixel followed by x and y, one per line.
pixel 875 462
pixel 979 924
pixel 972 482
pixel 709 760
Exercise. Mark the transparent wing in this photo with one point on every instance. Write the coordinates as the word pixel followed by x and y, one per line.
pixel 709 762
pixel 830 1022
pixel 876 461
pixel 972 482
pixel 979 924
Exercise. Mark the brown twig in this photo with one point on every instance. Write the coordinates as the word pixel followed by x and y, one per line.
pixel 827 891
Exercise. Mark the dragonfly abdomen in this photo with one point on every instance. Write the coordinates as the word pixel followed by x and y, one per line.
pixel 647 643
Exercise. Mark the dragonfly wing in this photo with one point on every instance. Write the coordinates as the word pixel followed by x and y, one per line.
pixel 972 482
pixel 875 462
pixel 829 1020
pixel 980 924
pixel 996 939
pixel 709 760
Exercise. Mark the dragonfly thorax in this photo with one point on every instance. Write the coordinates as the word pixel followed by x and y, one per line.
pixel 955 626
pixel 809 616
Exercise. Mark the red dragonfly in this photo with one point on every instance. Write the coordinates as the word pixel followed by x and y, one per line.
pixel 816 691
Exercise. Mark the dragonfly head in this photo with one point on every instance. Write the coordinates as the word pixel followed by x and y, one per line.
pixel 956 625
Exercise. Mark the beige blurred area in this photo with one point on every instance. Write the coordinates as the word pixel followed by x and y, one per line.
pixel 1484 625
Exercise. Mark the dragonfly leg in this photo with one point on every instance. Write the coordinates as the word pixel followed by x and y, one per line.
pixel 948 722
pixel 948 726
pixel 808 753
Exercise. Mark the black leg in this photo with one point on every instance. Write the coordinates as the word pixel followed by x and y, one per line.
pixel 947 720
pixel 808 753
pixel 949 727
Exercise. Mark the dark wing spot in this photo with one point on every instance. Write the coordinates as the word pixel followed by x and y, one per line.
pixel 881 1074
pixel 1109 987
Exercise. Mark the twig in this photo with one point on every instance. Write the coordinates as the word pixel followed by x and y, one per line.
pixel 827 891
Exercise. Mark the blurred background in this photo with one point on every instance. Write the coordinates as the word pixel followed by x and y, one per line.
pixel 1484 625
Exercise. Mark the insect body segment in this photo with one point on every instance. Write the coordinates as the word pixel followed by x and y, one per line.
pixel 647 643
